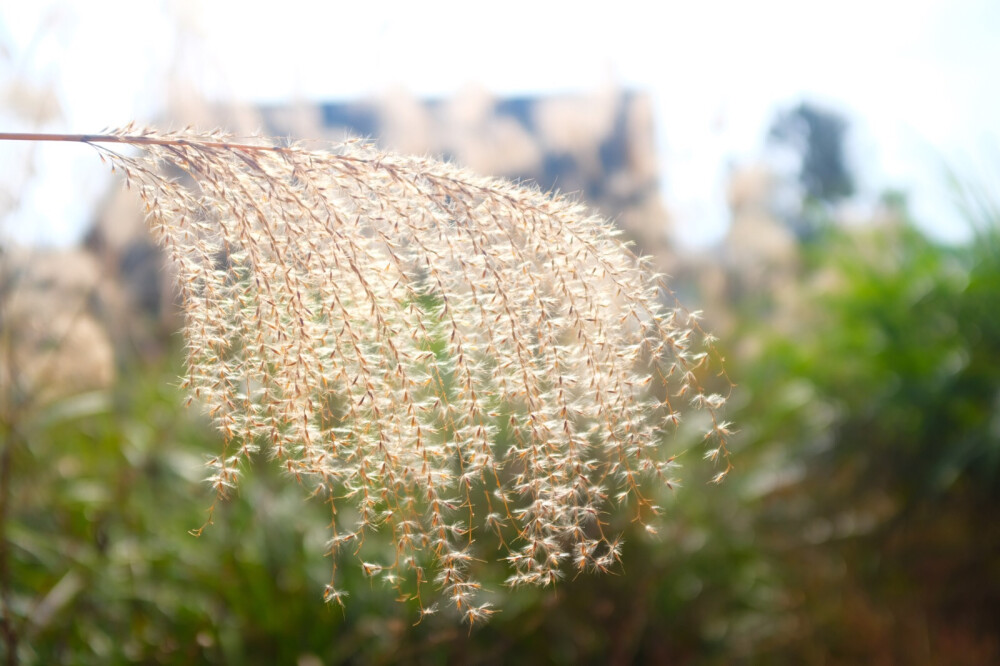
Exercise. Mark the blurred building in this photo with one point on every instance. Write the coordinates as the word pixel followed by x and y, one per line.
pixel 599 147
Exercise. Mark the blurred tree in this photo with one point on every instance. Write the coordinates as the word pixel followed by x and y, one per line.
pixel 816 135
pixel 809 140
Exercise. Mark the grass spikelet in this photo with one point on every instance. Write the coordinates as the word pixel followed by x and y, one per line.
pixel 449 354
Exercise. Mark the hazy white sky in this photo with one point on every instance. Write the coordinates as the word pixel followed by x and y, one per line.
pixel 917 77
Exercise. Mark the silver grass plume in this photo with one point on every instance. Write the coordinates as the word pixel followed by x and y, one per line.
pixel 447 354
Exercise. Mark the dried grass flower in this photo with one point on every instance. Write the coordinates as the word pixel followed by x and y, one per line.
pixel 443 354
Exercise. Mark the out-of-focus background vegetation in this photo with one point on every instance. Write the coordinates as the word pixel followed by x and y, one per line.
pixel 859 526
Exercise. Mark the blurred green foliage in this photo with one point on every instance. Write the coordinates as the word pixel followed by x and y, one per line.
pixel 859 526
pixel 877 414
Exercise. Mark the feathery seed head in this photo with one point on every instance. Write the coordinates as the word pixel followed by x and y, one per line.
pixel 453 355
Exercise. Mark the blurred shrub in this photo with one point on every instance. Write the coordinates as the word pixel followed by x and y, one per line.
pixel 874 436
